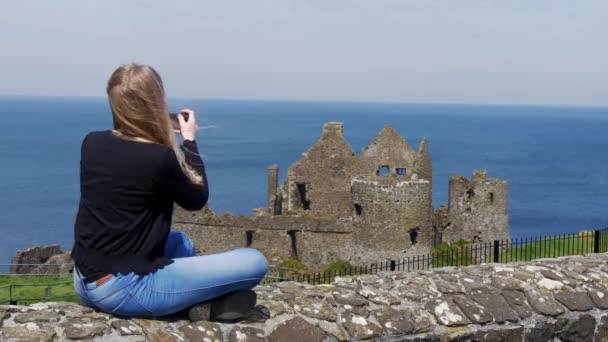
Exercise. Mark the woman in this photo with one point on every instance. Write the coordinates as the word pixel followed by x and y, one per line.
pixel 127 261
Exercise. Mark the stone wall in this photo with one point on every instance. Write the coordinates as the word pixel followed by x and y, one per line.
pixel 477 209
pixel 41 260
pixel 393 218
pixel 320 181
pixel 316 241
pixel 563 299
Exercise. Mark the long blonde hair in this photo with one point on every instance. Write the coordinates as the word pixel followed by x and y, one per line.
pixel 140 112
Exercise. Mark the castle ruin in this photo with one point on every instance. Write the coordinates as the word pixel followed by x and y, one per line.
pixel 338 205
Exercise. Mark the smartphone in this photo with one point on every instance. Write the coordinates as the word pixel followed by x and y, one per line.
pixel 175 121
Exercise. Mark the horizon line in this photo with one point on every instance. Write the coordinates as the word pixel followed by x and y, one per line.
pixel 335 101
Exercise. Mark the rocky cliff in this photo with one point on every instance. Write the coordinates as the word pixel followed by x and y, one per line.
pixel 563 299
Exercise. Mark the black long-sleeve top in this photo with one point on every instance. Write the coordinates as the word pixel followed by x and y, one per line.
pixel 127 193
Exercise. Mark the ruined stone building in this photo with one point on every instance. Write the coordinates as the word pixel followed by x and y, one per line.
pixel 367 207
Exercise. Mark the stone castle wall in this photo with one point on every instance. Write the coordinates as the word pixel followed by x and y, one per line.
pixel 477 209
pixel 365 208
pixel 392 217
pixel 314 241
pixel 564 299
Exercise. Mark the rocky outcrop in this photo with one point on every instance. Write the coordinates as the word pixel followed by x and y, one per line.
pixel 563 299
pixel 42 260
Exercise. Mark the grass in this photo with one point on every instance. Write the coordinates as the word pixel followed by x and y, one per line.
pixel 550 248
pixel 458 254
pixel 464 254
pixel 31 289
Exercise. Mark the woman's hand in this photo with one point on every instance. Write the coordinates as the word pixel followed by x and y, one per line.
pixel 188 128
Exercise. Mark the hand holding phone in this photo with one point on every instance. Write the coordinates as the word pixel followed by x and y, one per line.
pixel 184 122
pixel 175 120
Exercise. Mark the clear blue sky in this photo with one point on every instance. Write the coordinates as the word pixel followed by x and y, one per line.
pixel 469 51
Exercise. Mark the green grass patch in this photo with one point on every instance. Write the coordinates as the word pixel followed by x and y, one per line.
pixel 464 254
pixel 457 254
pixel 31 289
pixel 338 267
pixel 550 248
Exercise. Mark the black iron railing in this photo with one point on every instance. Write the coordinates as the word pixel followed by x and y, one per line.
pixel 45 286
pixel 465 254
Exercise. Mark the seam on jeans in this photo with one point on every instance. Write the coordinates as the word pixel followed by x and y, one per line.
pixel 120 289
pixel 121 303
pixel 138 302
pixel 203 288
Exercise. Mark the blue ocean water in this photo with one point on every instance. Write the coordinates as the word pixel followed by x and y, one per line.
pixel 554 158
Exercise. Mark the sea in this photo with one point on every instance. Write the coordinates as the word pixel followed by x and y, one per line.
pixel 555 158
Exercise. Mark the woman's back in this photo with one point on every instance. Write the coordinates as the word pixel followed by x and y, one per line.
pixel 127 193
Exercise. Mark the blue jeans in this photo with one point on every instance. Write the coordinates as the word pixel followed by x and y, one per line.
pixel 189 280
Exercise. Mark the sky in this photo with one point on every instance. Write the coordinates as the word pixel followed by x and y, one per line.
pixel 548 52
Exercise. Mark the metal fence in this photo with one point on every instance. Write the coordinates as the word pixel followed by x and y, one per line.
pixel 460 254
pixel 463 254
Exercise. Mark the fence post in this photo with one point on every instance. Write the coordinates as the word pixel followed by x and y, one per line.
pixel 393 265
pixel 11 300
pixel 496 250
pixel 596 241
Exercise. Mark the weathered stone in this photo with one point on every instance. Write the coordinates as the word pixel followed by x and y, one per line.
pixel 201 331
pixel 30 332
pixel 315 309
pixel 126 328
pixel 542 331
pixel 500 335
pixel 543 304
pixel 517 301
pixel 574 300
pixel 158 331
pixel 475 312
pixel 335 330
pixel 601 333
pixel 26 261
pixel 246 334
pixel 394 322
pixel 523 275
pixel 379 296
pixel 297 329
pixel 599 297
pixel 37 316
pixel 3 315
pixel 507 283
pixel 579 329
pixel 276 308
pixel 446 312
pixel 84 329
pixel 360 328
pixel 471 283
pixel 495 304
pixel 356 310
pixel 448 287
pixel 350 298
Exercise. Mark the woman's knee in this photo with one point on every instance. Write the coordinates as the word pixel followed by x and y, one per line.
pixel 256 260
pixel 179 245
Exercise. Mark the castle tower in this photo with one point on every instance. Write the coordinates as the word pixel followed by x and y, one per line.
pixel 392 218
pixel 477 209
pixel 424 165
pixel 319 183
pixel 274 205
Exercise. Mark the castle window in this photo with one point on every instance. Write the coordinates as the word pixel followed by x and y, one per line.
pixel 248 238
pixel 383 171
pixel 470 193
pixel 358 209
pixel 302 194
pixel 401 171
pixel 491 196
pixel 293 244
pixel 414 235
